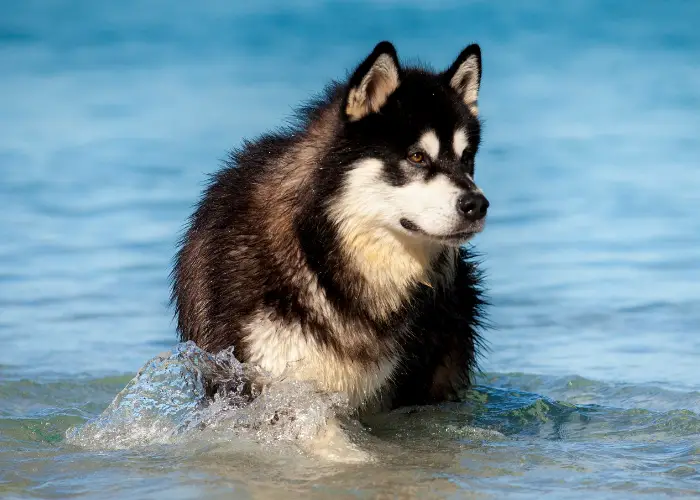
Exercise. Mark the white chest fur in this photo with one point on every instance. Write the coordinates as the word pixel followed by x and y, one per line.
pixel 281 348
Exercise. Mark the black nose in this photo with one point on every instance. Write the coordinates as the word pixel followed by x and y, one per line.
pixel 473 206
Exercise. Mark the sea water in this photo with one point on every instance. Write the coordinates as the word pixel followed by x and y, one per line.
pixel 113 114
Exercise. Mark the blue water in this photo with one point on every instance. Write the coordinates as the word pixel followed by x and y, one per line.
pixel 113 114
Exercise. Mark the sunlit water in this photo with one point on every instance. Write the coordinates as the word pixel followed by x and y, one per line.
pixel 113 113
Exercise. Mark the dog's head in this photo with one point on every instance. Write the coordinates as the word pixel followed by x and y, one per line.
pixel 410 137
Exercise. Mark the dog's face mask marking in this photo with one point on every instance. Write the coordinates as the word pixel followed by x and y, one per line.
pixel 419 131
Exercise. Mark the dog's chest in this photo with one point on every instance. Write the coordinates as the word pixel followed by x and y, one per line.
pixel 283 348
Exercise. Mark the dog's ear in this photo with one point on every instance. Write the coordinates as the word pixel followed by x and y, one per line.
pixel 464 76
pixel 372 82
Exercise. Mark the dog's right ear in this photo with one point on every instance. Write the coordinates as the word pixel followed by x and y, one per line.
pixel 373 82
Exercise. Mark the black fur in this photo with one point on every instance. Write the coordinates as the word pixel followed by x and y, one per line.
pixel 233 261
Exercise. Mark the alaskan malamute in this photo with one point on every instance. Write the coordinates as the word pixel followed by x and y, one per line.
pixel 333 250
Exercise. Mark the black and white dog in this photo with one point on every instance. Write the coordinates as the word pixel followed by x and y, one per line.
pixel 332 251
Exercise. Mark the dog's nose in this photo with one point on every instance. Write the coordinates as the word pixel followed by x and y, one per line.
pixel 473 206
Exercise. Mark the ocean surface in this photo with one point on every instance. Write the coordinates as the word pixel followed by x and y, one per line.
pixel 112 115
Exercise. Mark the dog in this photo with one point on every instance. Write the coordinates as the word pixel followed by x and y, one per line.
pixel 333 250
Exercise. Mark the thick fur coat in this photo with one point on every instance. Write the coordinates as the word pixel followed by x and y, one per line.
pixel 333 250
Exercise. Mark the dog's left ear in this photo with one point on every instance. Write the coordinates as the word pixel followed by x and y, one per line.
pixel 373 82
pixel 464 76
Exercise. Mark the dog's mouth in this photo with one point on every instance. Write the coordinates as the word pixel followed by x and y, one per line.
pixel 456 237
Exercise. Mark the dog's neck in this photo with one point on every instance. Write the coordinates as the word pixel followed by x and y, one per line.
pixel 393 265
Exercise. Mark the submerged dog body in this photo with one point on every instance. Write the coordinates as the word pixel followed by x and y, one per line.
pixel 331 251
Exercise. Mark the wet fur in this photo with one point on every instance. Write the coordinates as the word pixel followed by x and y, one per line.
pixel 273 264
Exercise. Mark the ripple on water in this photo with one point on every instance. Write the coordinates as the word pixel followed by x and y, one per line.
pixel 172 400
pixel 169 417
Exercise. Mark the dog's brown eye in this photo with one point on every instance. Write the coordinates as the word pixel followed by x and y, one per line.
pixel 416 157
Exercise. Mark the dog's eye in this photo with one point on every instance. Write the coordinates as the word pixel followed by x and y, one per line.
pixel 417 157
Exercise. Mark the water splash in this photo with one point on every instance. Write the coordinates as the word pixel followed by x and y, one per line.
pixel 197 401
pixel 187 393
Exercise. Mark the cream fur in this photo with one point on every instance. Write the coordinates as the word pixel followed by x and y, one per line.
pixel 466 82
pixel 377 85
pixel 284 350
pixel 431 144
pixel 460 142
